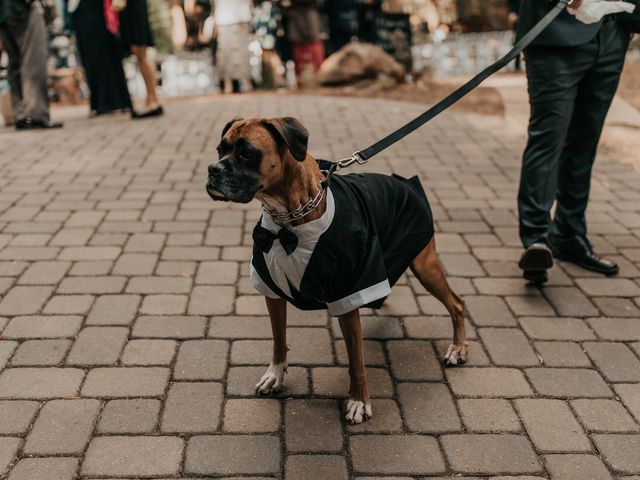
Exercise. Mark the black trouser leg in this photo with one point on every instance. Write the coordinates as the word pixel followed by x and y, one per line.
pixel 553 76
pixel 595 94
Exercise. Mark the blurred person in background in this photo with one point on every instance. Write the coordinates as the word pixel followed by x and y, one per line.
pixel 283 46
pixel 178 25
pixel 136 37
pixel 512 23
pixel 24 35
pixel 304 30
pixel 514 13
pixel 343 22
pixel 196 12
pixel 96 28
pixel 368 12
pixel 160 21
pixel 233 22
pixel 267 25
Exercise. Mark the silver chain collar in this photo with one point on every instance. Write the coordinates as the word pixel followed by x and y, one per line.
pixel 302 211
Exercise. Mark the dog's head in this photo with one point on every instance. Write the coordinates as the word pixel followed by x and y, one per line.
pixel 253 157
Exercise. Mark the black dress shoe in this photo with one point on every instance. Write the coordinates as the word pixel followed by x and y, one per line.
pixel 29 123
pixel 579 251
pixel 535 277
pixel 535 262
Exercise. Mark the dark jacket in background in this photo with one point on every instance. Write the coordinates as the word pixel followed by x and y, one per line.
pixel 369 11
pixel 304 21
pixel 343 22
pixel 13 12
pixel 343 15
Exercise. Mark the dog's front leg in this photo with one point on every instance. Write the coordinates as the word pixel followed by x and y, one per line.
pixel 359 404
pixel 272 380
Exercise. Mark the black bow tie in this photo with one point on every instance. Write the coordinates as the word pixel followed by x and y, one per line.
pixel 263 238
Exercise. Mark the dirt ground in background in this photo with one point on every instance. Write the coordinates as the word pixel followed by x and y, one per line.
pixel 619 142
pixel 483 100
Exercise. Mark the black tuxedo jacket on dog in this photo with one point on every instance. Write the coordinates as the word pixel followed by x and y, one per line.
pixel 373 228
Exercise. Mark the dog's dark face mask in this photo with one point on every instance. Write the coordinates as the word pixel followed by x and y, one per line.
pixel 253 156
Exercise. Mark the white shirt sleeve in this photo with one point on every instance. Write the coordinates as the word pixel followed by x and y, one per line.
pixel 359 299
pixel 592 11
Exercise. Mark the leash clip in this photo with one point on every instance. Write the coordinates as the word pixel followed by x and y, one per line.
pixel 347 162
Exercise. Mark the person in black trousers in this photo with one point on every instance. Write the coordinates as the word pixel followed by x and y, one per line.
pixel 101 55
pixel 573 70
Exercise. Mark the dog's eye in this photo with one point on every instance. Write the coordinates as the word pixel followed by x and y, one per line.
pixel 248 154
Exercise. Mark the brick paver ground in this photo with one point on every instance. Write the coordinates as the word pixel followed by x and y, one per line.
pixel 131 338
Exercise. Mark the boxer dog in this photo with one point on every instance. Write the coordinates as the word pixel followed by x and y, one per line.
pixel 336 242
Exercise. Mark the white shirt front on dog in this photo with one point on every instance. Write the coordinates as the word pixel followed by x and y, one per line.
pixel 285 269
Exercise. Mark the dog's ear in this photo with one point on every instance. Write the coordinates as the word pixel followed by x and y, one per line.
pixel 228 126
pixel 292 133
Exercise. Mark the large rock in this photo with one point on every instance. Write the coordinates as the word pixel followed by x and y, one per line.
pixel 358 61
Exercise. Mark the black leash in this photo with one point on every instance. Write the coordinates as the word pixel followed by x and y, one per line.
pixel 363 155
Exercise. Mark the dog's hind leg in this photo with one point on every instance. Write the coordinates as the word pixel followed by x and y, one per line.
pixel 428 269
pixel 271 381
pixel 359 405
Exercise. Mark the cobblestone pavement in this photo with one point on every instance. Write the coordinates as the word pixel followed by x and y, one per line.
pixel 131 338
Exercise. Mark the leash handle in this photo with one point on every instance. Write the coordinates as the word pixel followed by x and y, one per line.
pixel 363 155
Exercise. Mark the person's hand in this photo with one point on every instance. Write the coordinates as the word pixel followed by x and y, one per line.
pixel 118 5
pixel 512 20
pixel 575 4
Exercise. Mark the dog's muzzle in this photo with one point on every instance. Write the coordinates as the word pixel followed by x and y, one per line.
pixel 215 193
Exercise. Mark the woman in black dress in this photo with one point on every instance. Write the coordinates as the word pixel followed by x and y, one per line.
pixel 101 56
pixel 136 36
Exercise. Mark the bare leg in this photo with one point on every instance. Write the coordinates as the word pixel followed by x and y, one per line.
pixel 428 269
pixel 148 72
pixel 271 381
pixel 359 404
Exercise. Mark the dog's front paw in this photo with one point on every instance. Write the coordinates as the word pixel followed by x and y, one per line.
pixel 272 380
pixel 357 411
pixel 456 355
